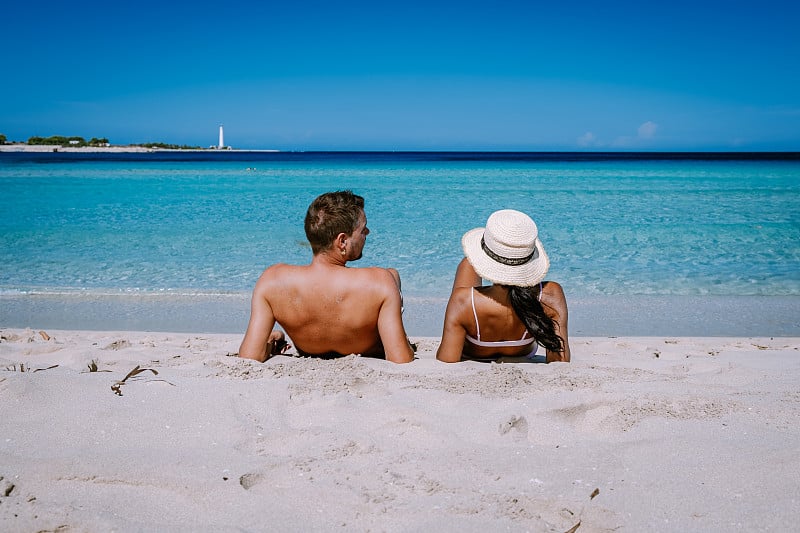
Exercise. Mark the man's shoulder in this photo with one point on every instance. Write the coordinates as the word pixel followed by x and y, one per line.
pixel 280 271
pixel 369 269
pixel 371 280
pixel 279 267
pixel 377 273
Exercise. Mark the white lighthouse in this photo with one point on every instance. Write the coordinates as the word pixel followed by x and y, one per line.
pixel 221 138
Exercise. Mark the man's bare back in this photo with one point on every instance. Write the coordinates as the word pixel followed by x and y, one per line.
pixel 327 307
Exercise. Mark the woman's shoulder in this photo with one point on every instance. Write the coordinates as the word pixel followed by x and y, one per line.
pixel 461 294
pixel 552 287
pixel 459 307
pixel 553 295
pixel 460 298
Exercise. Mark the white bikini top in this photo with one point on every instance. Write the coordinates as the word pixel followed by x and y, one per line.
pixel 524 341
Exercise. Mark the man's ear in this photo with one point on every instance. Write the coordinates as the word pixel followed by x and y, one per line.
pixel 340 241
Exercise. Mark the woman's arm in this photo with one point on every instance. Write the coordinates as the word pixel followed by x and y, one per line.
pixel 466 276
pixel 555 305
pixel 453 331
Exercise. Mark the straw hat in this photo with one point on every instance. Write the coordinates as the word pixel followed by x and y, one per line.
pixel 507 251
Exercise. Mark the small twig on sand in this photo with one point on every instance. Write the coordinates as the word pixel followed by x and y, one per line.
pixel 574 528
pixel 22 368
pixel 94 368
pixel 117 386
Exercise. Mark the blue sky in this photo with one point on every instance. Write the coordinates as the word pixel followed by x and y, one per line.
pixel 468 75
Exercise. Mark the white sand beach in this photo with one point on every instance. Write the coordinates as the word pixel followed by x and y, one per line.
pixel 636 434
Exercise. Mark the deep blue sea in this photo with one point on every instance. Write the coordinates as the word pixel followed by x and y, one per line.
pixel 657 227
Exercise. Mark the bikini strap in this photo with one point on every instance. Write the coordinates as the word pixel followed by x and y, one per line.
pixel 477 325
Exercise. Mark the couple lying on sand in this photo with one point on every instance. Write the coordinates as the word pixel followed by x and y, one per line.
pixel 328 309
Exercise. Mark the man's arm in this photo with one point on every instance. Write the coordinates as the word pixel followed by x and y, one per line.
pixel 259 340
pixel 390 322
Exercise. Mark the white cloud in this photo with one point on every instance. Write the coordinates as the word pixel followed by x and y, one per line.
pixel 587 139
pixel 647 130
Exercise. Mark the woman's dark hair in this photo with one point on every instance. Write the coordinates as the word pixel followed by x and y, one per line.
pixel 529 309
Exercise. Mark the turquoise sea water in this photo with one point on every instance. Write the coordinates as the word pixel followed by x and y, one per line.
pixel 615 226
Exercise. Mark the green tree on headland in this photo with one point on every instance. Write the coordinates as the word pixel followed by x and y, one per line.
pixel 58 140
pixel 2 139
pixel 166 146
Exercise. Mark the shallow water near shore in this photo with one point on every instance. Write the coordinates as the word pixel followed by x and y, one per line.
pixel 634 315
pixel 626 234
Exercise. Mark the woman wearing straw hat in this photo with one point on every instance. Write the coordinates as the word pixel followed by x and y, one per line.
pixel 515 314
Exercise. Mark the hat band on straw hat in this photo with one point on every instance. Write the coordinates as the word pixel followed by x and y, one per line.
pixel 515 261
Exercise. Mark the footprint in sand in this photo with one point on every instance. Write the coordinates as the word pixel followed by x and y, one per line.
pixel 516 423
pixel 250 480
pixel 118 345
pixel 6 487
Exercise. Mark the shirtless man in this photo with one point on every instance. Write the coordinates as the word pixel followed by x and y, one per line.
pixel 325 307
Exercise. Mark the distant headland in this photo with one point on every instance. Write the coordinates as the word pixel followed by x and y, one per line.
pixel 59 143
